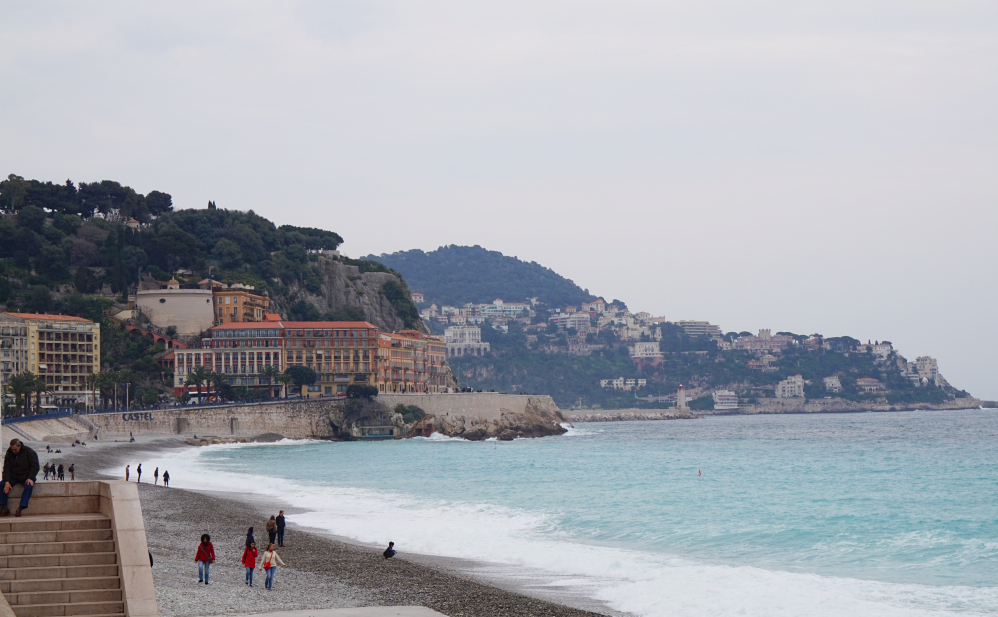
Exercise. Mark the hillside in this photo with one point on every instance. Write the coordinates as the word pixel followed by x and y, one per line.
pixel 518 363
pixel 77 250
pixel 455 275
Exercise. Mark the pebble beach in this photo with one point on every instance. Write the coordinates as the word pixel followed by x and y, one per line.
pixel 321 572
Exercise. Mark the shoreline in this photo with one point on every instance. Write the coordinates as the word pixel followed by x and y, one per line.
pixel 324 570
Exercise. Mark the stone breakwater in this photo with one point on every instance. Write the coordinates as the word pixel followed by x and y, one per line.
pixel 483 415
pixel 839 405
pixel 469 415
pixel 626 415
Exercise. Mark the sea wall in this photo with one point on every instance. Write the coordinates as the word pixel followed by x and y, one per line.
pixel 454 415
pixel 839 405
pixel 294 419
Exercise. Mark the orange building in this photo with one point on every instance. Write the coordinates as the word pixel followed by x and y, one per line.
pixel 410 361
pixel 237 303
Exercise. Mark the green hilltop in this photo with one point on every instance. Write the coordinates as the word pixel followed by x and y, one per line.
pixel 455 275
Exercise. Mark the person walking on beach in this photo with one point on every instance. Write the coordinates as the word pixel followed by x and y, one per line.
pixel 269 563
pixel 20 466
pixel 126 472
pixel 62 473
pixel 280 529
pixel 155 477
pixel 205 557
pixel 166 478
pixel 138 473
pixel 72 472
pixel 45 469
pixel 249 537
pixel 390 551
pixel 249 560
pixel 272 528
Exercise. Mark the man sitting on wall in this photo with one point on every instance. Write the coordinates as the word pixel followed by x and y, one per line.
pixel 20 466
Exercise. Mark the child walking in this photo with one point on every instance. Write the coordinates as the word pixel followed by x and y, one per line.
pixel 269 564
pixel 249 560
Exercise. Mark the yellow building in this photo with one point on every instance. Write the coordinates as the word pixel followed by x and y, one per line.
pixel 61 348
pixel 237 303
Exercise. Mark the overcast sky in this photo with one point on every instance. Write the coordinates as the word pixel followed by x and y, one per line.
pixel 783 165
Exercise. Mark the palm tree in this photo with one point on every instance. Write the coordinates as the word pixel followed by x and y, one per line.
pixel 272 375
pixel 216 381
pixel 40 386
pixel 104 381
pixel 196 377
pixel 22 386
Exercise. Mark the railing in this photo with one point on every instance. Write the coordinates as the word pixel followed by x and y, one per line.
pixel 42 416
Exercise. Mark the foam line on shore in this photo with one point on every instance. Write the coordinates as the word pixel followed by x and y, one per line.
pixel 643 583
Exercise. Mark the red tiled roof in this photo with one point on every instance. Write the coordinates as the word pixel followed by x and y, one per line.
pixel 294 325
pixel 48 317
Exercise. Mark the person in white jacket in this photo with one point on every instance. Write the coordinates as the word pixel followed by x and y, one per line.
pixel 269 565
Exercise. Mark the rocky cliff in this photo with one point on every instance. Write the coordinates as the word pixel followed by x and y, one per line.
pixel 483 415
pixel 344 285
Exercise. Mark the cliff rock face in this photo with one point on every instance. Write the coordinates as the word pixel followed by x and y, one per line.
pixel 345 285
pixel 479 416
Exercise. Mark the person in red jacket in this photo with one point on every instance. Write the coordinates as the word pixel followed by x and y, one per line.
pixel 205 557
pixel 249 560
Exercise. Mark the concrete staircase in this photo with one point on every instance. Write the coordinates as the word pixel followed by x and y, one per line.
pixel 60 565
pixel 79 549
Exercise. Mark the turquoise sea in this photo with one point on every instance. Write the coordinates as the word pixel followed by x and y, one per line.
pixel 833 514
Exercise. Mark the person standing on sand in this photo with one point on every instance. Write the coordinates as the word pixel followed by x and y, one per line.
pixel 205 557
pixel 155 477
pixel 269 563
pixel 45 469
pixel 72 472
pixel 138 473
pixel 62 473
pixel 166 478
pixel 126 472
pixel 280 529
pixel 20 466
pixel 272 528
pixel 249 560
pixel 249 537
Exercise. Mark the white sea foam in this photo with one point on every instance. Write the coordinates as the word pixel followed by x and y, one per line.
pixel 643 583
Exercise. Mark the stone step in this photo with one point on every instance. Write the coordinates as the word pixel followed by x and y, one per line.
pixel 64 535
pixel 25 573
pixel 57 548
pixel 53 522
pixel 64 609
pixel 63 597
pixel 70 559
pixel 60 584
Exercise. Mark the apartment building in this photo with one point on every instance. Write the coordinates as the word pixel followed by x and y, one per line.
pixel 237 303
pixel 410 362
pixel 61 348
pixel 791 387
pixel 340 352
pixel 699 328
pixel 465 341
pixel 725 400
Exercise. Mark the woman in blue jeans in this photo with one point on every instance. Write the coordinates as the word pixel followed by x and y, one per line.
pixel 269 564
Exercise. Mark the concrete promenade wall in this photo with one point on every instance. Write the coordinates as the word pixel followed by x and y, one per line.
pixel 295 419
pixel 299 419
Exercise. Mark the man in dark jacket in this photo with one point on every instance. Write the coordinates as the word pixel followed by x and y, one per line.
pixel 281 524
pixel 20 466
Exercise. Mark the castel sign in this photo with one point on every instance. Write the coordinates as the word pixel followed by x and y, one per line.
pixel 136 416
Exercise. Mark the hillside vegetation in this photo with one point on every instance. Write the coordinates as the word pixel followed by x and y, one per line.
pixel 70 249
pixel 455 275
